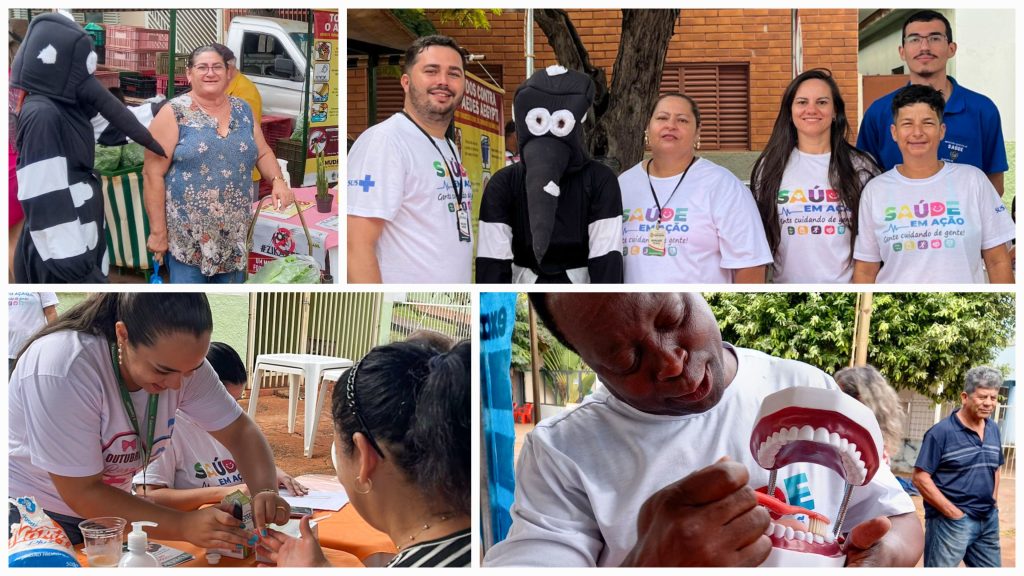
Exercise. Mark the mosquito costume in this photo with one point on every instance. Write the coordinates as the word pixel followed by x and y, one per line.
pixel 64 236
pixel 555 217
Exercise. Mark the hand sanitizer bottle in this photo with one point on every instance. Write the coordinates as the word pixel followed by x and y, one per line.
pixel 137 555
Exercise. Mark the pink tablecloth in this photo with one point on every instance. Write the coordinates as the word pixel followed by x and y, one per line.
pixel 278 235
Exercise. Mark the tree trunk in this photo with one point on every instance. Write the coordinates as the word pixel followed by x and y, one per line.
pixel 614 131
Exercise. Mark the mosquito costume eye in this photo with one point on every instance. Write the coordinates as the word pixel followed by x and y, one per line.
pixel 562 123
pixel 538 121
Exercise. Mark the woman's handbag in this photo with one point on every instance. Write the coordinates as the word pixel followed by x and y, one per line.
pixel 292 269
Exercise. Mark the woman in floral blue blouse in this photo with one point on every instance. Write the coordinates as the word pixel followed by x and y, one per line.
pixel 199 201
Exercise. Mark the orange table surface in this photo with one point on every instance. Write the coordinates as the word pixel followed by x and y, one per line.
pixel 345 530
pixel 336 557
pixel 345 537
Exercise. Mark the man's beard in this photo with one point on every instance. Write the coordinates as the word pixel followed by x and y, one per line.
pixel 420 100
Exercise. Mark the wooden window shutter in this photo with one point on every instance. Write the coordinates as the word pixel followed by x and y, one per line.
pixel 722 92
pixel 390 97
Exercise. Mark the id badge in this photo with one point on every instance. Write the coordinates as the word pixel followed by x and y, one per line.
pixel 656 242
pixel 463 220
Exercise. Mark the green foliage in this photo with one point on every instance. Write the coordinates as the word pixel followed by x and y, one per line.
pixel 323 189
pixel 568 378
pixel 475 17
pixel 917 340
pixel 566 375
pixel 521 336
pixel 415 20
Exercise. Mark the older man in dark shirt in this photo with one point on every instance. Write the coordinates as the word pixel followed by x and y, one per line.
pixel 957 472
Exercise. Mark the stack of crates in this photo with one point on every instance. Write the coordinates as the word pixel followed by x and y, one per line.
pixel 163 65
pixel 276 127
pixel 138 86
pixel 108 78
pixel 134 48
pixel 180 84
pixel 96 32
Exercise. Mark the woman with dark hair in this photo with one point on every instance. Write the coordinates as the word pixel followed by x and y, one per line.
pixel 93 399
pixel 194 468
pixel 807 183
pixel 199 198
pixel 402 452
pixel 928 221
pixel 686 219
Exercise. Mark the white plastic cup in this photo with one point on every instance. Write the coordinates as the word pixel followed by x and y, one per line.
pixel 103 538
pixel 212 558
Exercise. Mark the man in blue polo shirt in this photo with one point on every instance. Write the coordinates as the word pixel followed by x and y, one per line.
pixel 957 472
pixel 974 133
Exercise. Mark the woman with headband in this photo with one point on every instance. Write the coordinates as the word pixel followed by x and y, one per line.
pixel 402 452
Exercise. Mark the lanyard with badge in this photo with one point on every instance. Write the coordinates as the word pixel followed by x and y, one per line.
pixel 461 215
pixel 129 408
pixel 657 238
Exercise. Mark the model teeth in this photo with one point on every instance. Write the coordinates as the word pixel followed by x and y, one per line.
pixel 788 533
pixel 853 465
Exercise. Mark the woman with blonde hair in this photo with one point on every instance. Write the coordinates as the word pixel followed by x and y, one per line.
pixel 866 384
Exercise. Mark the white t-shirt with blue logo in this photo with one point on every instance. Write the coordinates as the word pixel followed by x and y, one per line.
pixel 395 174
pixel 584 474
pixel 711 226
pixel 931 230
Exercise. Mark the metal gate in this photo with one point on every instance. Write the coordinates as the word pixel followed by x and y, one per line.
pixel 194 28
pixel 446 312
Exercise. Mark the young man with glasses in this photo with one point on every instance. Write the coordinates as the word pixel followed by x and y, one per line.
pixel 974 133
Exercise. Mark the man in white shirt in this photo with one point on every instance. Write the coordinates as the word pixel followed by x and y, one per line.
pixel 409 197
pixel 640 474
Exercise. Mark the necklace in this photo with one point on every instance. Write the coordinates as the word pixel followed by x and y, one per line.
pixel 426 526
pixel 212 111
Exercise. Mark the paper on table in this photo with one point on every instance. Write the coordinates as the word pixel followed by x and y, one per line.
pixel 288 212
pixel 319 500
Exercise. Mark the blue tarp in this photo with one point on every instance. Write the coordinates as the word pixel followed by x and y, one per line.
pixel 497 320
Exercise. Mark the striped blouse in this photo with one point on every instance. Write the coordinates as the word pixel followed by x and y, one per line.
pixel 452 550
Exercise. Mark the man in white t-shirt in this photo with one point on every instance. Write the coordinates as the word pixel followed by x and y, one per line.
pixel 409 196
pixel 196 469
pixel 929 221
pixel 635 475
pixel 27 313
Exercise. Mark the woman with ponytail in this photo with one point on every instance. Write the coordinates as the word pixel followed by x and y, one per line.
pixel 402 452
pixel 93 399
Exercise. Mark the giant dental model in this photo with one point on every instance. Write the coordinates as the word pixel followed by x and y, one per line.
pixel 824 427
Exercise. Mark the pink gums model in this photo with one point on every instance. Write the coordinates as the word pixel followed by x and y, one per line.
pixel 824 427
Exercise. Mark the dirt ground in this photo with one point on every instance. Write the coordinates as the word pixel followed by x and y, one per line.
pixel 1007 507
pixel 1007 521
pixel 272 418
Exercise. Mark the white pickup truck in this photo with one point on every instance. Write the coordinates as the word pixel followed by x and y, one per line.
pixel 272 53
